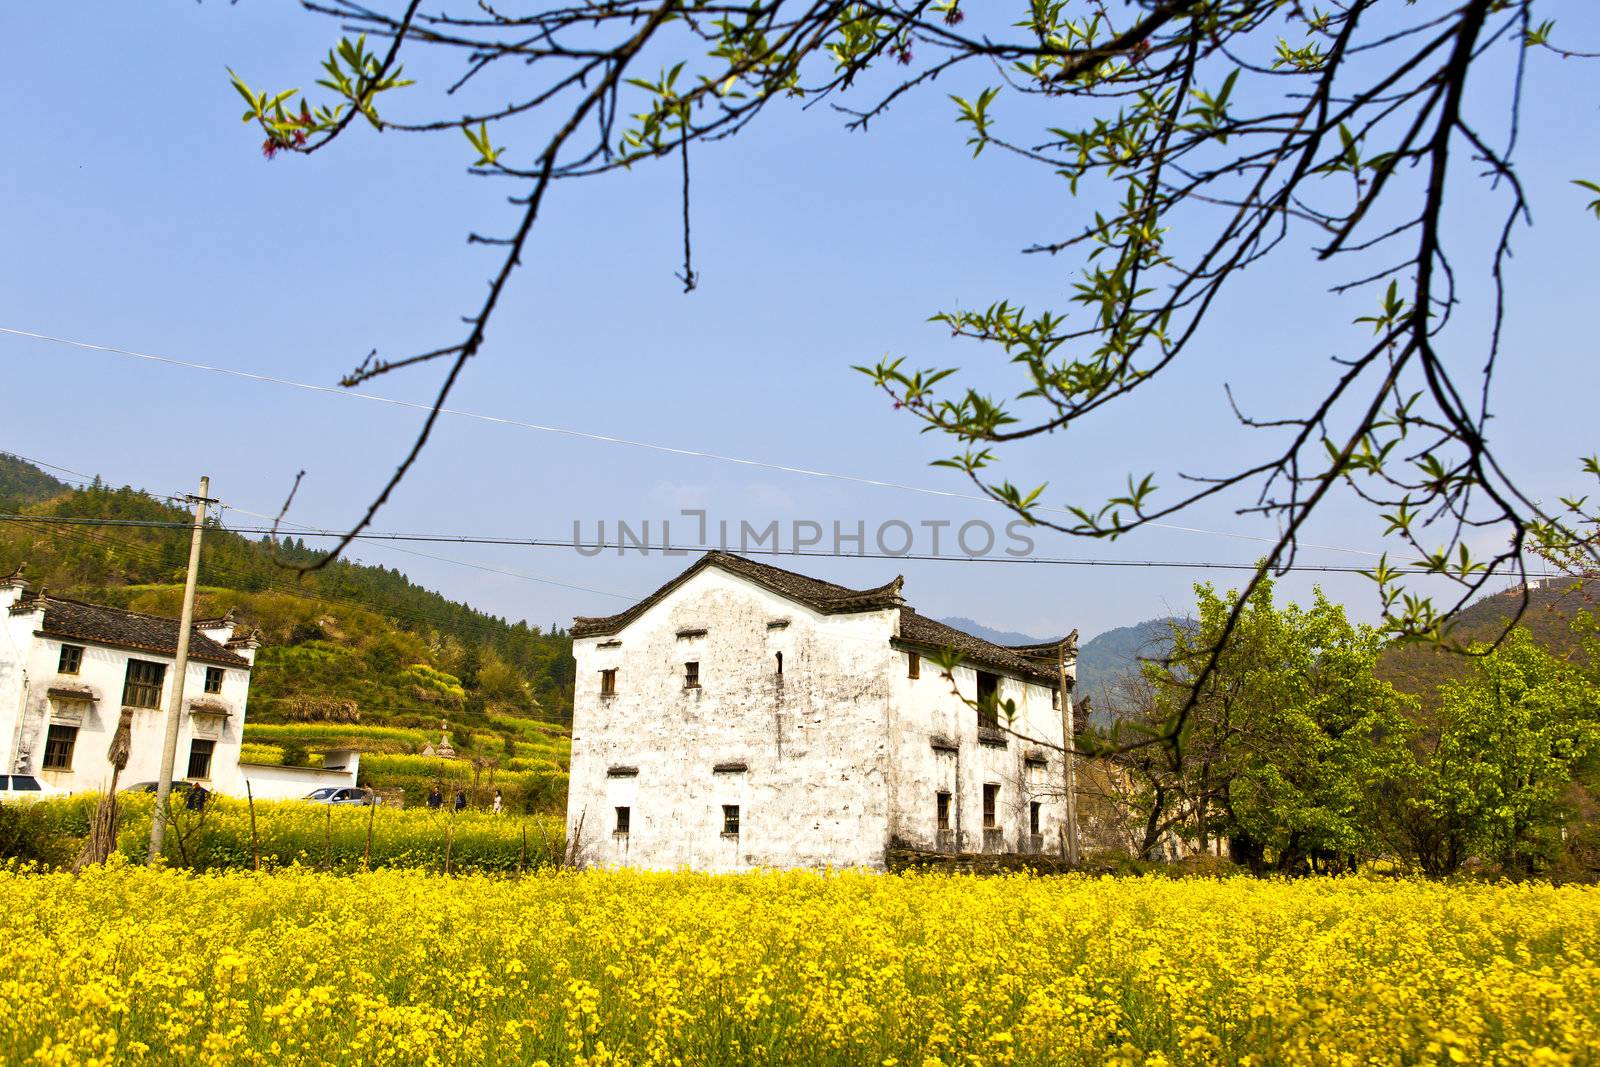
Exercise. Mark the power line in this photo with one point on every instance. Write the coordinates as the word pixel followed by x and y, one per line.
pixel 612 439
pixel 684 550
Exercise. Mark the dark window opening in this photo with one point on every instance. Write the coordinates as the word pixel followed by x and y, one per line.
pixel 991 800
pixel 1033 818
pixel 913 665
pixel 988 699
pixel 59 742
pixel 71 659
pixel 730 818
pixel 691 675
pixel 780 664
pixel 944 810
pixel 624 819
pixel 142 689
pixel 608 682
pixel 200 758
pixel 213 679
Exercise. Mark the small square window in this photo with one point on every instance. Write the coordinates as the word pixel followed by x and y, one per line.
pixel 213 679
pixel 991 801
pixel 624 820
pixel 944 810
pixel 691 675
pixel 71 659
pixel 200 750
pixel 913 665
pixel 59 742
pixel 608 682
pixel 730 818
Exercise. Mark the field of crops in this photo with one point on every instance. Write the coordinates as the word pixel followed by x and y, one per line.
pixel 295 833
pixel 129 965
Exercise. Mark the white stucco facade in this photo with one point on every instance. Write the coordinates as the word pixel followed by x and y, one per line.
pixel 824 762
pixel 82 694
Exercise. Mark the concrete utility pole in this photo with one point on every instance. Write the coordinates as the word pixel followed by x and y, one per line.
pixel 1069 728
pixel 180 670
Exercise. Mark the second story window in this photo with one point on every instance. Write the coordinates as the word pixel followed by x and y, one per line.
pixel 142 689
pixel 691 675
pixel 913 665
pixel 213 679
pixel 624 820
pixel 608 682
pixel 730 819
pixel 988 699
pixel 71 659
pixel 944 810
pixel 991 801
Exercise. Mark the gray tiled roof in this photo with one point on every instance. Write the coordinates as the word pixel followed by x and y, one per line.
pixel 74 620
pixel 831 599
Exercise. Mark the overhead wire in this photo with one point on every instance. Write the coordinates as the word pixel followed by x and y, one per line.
pixel 616 440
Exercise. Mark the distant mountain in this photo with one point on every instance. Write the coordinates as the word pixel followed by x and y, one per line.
pixel 1107 658
pixel 1102 660
pixel 1421 669
pixel 21 483
pixel 999 637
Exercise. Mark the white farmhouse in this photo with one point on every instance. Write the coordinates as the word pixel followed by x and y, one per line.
pixel 746 716
pixel 70 671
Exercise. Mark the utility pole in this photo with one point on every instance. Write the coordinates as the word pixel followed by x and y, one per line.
pixel 1069 728
pixel 180 670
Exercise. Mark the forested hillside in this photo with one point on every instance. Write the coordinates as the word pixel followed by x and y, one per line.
pixel 351 652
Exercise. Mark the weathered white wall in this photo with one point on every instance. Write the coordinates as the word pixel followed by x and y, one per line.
pixel 816 743
pixel 272 782
pixel 929 717
pixel 28 673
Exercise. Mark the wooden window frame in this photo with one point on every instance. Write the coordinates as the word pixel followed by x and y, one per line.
pixel 991 806
pixel 730 820
pixel 624 814
pixel 135 688
pixel 214 679
pixel 608 682
pixel 59 748
pixel 942 809
pixel 913 665
pixel 209 752
pixel 71 660
pixel 988 702
pixel 691 674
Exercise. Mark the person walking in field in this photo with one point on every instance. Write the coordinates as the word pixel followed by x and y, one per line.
pixel 461 800
pixel 498 803
pixel 436 799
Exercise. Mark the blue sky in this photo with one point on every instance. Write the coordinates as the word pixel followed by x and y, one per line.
pixel 139 213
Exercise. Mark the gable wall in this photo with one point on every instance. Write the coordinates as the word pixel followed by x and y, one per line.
pixel 815 742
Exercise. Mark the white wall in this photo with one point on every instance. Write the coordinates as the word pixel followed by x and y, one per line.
pixel 816 743
pixel 927 710
pixel 272 782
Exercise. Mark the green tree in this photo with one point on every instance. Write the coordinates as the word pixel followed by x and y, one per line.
pixel 1286 737
pixel 1491 772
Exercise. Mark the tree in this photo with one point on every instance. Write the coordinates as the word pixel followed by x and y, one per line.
pixel 1490 773
pixel 1202 136
pixel 1284 740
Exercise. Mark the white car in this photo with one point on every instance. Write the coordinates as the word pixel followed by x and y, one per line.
pixel 24 787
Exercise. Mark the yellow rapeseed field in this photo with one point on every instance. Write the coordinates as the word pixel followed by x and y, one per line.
pixel 125 965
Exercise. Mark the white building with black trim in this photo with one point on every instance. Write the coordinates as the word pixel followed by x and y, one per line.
pixel 746 716
pixel 69 672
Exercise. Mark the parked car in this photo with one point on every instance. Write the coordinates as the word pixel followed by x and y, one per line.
pixel 343 795
pixel 25 787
